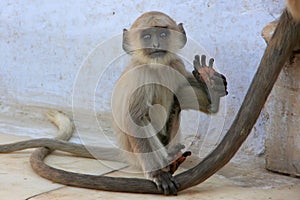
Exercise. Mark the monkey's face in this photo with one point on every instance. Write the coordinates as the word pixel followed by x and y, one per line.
pixel 155 41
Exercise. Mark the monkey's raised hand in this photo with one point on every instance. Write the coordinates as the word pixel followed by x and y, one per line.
pixel 213 81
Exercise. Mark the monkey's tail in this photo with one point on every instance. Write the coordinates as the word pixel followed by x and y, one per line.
pixel 64 124
pixel 66 128
pixel 65 132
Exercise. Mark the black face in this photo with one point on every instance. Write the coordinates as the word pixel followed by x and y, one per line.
pixel 155 41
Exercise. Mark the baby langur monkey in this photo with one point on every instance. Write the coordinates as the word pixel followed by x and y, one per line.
pixel 146 105
pixel 152 91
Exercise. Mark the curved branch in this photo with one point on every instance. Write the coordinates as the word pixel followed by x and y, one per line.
pixel 281 45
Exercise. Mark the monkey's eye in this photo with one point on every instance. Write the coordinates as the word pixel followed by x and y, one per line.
pixel 146 36
pixel 163 34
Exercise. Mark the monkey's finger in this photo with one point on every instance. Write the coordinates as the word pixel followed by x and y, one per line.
pixel 196 63
pixel 197 57
pixel 211 62
pixel 203 61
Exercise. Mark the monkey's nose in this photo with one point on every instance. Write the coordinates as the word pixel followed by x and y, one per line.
pixel 156 45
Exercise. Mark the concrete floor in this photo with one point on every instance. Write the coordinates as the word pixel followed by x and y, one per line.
pixel 243 178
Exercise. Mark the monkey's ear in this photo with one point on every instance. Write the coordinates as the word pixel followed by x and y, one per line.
pixel 126 44
pixel 183 38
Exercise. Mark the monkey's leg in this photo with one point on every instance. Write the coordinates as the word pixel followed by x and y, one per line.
pixel 152 156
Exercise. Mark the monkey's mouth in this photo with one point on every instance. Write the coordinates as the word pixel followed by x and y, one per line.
pixel 156 52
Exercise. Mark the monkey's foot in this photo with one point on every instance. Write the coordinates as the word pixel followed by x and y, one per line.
pixel 164 181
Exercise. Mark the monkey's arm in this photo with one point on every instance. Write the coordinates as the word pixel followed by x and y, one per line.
pixel 205 88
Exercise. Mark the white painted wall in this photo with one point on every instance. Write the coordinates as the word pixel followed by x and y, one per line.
pixel 43 44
